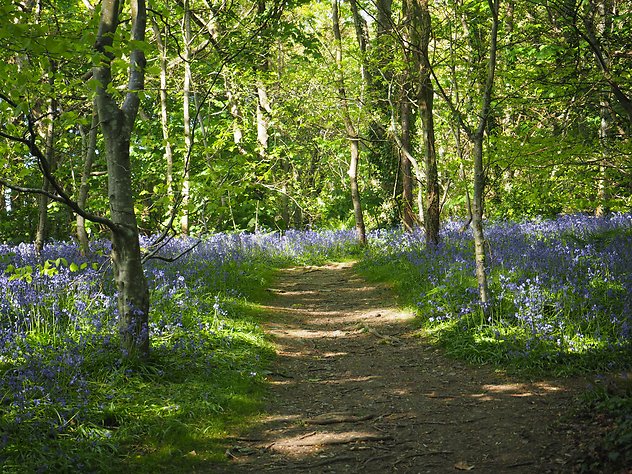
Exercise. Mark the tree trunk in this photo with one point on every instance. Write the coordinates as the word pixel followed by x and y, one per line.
pixel 42 232
pixel 164 113
pixel 476 137
pixel 479 171
pixel 362 36
pixel 377 75
pixel 90 145
pixel 238 133
pixel 477 220
pixel 263 112
pixel 421 29
pixel 133 292
pixel 285 196
pixel 355 192
pixel 186 108
pixel 432 205
pixel 602 207
pixel 604 29
pixel 263 103
pixel 408 215
pixel 117 124
pixel 352 134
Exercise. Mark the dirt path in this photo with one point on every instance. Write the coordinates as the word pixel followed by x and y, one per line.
pixel 354 391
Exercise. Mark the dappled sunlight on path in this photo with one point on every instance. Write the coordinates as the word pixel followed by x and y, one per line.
pixel 354 389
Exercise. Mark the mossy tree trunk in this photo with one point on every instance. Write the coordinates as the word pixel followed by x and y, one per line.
pixel 117 125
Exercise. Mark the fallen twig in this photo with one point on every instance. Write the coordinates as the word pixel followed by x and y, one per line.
pixel 332 418
pixel 332 440
pixel 377 458
pixel 520 464
pixel 324 462
pixel 417 455
pixel 308 435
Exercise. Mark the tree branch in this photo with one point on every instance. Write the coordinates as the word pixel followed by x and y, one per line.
pixel 44 166
pixel 21 189
pixel 137 61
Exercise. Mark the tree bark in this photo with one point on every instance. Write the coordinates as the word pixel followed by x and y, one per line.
pixel 90 145
pixel 164 113
pixel 426 111
pixel 479 170
pixel 406 120
pixel 604 29
pixel 42 232
pixel 117 124
pixel 186 108
pixel 352 134
pixel 477 220
pixel 263 103
pixel 376 71
pixel 476 137
pixel 432 204
pixel 233 104
pixel 420 29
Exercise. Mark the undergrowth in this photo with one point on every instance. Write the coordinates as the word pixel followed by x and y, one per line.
pixel 70 403
pixel 561 303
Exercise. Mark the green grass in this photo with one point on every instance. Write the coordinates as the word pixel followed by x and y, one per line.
pixel 203 383
pixel 170 414
pixel 175 414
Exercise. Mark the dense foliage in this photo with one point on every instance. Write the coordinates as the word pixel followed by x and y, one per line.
pixel 266 146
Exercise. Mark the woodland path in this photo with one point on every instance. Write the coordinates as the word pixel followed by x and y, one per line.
pixel 354 390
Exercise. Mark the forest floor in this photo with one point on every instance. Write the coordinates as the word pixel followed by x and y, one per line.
pixel 356 389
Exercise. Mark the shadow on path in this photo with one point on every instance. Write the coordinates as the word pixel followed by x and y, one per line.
pixel 353 390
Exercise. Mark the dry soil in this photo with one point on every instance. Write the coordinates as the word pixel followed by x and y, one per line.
pixel 356 389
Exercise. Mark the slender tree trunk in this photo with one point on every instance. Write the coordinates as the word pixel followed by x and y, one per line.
pixel 355 192
pixel 408 215
pixel 117 124
pixel 432 205
pixel 42 232
pixel 90 145
pixel 602 207
pixel 263 113
pixel 352 134
pixel 164 113
pixel 376 70
pixel 238 134
pixel 476 137
pixel 422 31
pixel 477 220
pixel 479 170
pixel 133 299
pixel 362 36
pixel 604 29
pixel 285 196
pixel 263 103
pixel 186 107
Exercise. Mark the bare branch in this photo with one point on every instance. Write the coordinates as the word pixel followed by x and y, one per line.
pixel 21 189
pixel 44 166
pixel 170 259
